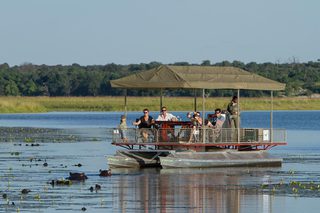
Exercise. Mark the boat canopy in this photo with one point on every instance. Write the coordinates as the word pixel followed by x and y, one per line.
pixel 197 77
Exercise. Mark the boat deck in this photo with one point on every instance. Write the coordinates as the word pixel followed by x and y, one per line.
pixel 174 145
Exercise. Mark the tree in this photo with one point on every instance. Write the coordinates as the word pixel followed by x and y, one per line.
pixel 11 89
pixel 31 88
pixel 94 83
pixel 4 66
pixel 206 63
pixel 58 84
pixel 59 80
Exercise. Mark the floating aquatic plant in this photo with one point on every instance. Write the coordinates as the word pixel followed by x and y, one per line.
pixel 28 140
pixel 37 197
pixel 294 190
pixel 61 182
pixel 293 187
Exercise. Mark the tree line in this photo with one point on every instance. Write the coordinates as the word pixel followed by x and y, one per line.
pixel 94 80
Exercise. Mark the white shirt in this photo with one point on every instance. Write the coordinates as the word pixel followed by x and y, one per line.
pixel 168 117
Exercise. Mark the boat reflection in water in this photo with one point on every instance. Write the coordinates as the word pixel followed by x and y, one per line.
pixel 192 190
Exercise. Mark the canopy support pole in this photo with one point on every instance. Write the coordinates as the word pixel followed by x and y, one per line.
pixel 203 113
pixel 125 102
pixel 161 96
pixel 238 120
pixel 271 117
pixel 195 100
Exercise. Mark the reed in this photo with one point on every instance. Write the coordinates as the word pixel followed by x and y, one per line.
pixel 49 104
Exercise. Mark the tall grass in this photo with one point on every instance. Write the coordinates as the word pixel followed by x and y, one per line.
pixel 48 104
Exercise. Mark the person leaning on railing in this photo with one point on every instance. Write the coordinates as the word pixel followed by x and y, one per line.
pixel 218 120
pixel 144 123
pixel 216 124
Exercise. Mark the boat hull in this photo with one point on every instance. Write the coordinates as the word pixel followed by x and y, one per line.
pixel 122 162
pixel 219 159
pixel 135 159
pixel 191 159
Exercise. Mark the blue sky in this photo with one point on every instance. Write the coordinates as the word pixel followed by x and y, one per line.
pixel 140 31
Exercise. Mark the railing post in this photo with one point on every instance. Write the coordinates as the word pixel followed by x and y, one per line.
pixel 125 102
pixel 238 120
pixel 195 100
pixel 271 118
pixel 203 116
pixel 161 97
pixel 156 135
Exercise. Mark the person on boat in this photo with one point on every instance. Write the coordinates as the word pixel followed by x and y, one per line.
pixel 196 123
pixel 166 130
pixel 165 115
pixel 144 123
pixel 195 117
pixel 232 108
pixel 218 120
pixel 216 124
pixel 198 117
pixel 123 128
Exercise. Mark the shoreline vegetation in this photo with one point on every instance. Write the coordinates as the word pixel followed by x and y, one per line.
pixel 301 79
pixel 116 103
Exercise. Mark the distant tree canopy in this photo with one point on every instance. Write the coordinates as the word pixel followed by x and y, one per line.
pixel 94 80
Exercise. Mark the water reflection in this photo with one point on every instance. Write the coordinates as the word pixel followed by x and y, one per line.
pixel 192 190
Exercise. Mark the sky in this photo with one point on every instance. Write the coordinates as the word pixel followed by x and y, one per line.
pixel 99 32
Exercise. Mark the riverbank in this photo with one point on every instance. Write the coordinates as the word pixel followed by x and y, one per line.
pixel 49 104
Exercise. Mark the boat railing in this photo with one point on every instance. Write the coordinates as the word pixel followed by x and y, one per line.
pixel 194 135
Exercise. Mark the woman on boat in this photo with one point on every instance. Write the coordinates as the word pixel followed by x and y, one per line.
pixel 196 124
pixel 144 123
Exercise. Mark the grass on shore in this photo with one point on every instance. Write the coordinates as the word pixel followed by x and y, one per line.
pixel 49 104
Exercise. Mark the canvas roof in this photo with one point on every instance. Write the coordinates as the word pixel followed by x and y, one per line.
pixel 197 77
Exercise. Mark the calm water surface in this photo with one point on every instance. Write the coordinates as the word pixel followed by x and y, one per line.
pixel 73 138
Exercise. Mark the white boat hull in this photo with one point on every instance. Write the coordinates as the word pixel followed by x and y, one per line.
pixel 135 159
pixel 122 162
pixel 219 159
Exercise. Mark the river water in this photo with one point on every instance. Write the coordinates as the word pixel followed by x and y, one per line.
pixel 38 148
